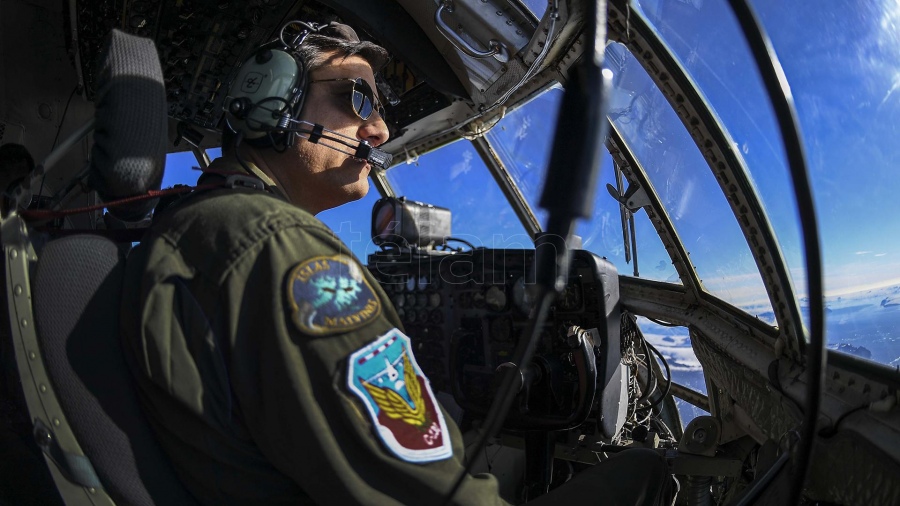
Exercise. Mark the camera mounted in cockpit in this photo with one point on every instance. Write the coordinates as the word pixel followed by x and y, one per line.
pixel 407 224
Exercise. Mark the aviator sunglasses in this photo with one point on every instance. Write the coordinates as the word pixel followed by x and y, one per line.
pixel 362 98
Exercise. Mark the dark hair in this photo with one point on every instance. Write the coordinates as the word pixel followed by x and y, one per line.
pixel 318 50
pixel 334 41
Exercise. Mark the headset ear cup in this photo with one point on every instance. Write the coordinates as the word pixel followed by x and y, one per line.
pixel 274 74
pixel 266 85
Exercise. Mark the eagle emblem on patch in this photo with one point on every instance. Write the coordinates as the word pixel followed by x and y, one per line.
pixel 330 295
pixel 406 417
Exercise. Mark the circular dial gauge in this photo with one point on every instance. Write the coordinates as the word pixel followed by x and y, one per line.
pixel 522 297
pixel 495 298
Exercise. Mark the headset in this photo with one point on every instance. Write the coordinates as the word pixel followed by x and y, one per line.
pixel 267 95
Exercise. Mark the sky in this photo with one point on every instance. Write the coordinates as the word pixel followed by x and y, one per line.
pixel 843 66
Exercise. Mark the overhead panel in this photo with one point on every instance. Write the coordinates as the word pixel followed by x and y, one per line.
pixel 480 39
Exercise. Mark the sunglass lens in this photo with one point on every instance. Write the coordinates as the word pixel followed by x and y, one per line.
pixel 368 101
pixel 358 100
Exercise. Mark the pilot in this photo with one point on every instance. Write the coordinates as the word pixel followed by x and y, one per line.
pixel 271 365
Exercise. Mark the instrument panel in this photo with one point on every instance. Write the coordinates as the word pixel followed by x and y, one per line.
pixel 465 313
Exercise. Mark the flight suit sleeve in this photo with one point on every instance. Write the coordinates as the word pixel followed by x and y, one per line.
pixel 327 382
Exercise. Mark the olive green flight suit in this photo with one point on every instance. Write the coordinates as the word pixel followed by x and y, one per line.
pixel 250 408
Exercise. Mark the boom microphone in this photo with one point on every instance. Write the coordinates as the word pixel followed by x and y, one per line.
pixel 313 132
pixel 360 148
pixel 373 155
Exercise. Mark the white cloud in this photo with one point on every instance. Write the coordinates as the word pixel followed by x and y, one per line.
pixel 522 131
pixel 462 167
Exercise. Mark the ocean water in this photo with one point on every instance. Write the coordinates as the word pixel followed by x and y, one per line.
pixel 869 329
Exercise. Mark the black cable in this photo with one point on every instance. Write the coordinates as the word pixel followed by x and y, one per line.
pixel 467 243
pixel 661 425
pixel 654 403
pixel 652 382
pixel 63 118
pixel 782 102
pixel 56 138
pixel 831 431
pixel 761 483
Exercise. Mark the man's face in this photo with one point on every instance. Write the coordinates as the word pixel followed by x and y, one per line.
pixel 316 177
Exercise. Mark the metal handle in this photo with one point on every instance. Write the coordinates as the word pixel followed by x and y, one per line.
pixel 496 49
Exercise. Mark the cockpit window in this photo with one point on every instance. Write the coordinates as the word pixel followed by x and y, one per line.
pixel 455 177
pixel 351 223
pixel 686 187
pixel 537 7
pixel 843 67
pixel 523 139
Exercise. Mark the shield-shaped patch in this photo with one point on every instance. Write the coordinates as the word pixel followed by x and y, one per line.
pixel 398 397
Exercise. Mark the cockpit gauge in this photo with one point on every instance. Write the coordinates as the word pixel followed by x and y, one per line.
pixel 478 299
pixel 522 297
pixel 495 298
pixel 411 283
pixel 571 298
pixel 501 329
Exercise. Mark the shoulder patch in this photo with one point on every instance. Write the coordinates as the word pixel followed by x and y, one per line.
pixel 398 397
pixel 330 295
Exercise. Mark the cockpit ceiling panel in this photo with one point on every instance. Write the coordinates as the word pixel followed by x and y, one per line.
pixel 474 26
pixel 201 45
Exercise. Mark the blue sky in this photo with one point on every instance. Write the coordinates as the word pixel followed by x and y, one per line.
pixel 843 65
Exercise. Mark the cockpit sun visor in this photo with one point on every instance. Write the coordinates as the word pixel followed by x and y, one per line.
pixel 407 223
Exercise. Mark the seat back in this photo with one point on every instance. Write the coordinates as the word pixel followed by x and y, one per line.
pixel 76 293
pixel 64 302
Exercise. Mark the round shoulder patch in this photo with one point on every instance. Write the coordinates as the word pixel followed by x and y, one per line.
pixel 329 295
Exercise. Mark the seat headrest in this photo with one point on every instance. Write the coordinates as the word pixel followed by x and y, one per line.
pixel 131 130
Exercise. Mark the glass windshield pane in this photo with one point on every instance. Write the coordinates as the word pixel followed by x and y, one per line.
pixel 843 65
pixel 455 177
pixel 686 186
pixel 537 7
pixel 523 140
pixel 352 223
pixel 603 235
pixel 181 168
